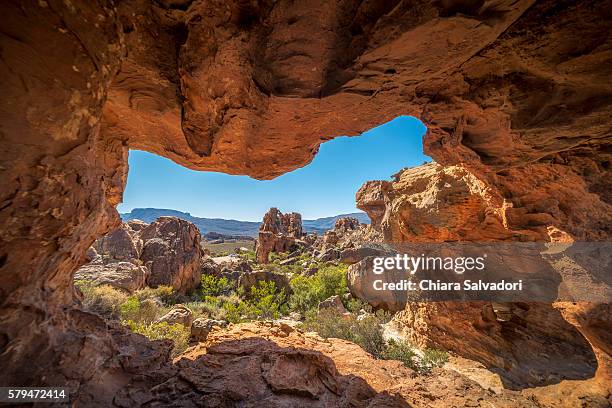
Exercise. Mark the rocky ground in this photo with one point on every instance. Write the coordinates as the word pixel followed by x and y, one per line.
pixel 276 352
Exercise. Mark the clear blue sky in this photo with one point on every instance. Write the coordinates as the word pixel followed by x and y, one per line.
pixel 325 187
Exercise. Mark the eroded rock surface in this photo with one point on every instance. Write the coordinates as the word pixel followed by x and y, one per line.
pixel 173 254
pixel 434 203
pixel 120 275
pixel 165 252
pixel 278 233
pixel 275 365
pixel 517 91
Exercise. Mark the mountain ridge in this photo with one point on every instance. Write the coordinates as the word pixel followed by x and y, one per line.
pixel 233 227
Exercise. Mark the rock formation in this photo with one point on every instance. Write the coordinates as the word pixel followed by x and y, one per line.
pixel 432 203
pixel 265 364
pixel 516 91
pixel 165 252
pixel 121 275
pixel 178 315
pixel 173 254
pixel 278 233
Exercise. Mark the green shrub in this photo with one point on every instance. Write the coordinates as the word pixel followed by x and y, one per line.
pixel 432 358
pixel 403 351
pixel 263 302
pixel 354 305
pixel 178 333
pixel 145 311
pixel 366 332
pixel 103 300
pixel 249 256
pixel 307 292
pixel 214 286
pixel 165 294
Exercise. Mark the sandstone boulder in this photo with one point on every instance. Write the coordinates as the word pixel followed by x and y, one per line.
pixel 232 263
pixel 178 315
pixel 120 275
pixel 119 245
pixel 346 224
pixel 310 271
pixel 201 327
pixel 431 203
pixel 249 279
pixel 209 266
pixel 333 303
pixel 354 255
pixel 278 233
pixel 328 255
pixel 137 225
pixel 288 261
pixel 172 253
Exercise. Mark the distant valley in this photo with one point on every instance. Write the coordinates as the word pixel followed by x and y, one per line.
pixel 234 227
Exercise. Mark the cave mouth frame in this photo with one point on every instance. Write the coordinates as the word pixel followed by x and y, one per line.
pixel 507 377
pixel 71 110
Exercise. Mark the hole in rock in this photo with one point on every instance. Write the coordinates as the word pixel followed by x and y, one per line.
pixel 140 272
pixel 161 278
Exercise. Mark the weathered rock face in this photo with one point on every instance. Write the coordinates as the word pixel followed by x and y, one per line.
pixel 169 249
pixel 346 224
pixel 271 365
pixel 120 275
pixel 173 254
pixel 278 233
pixel 178 315
pixel 201 327
pixel 432 203
pixel 119 245
pixel 517 91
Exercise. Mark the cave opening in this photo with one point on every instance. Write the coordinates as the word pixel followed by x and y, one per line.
pixel 188 236
pixel 325 187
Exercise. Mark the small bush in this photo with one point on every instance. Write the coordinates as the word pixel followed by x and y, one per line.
pixel 214 286
pixel 402 351
pixel 431 359
pixel 178 333
pixel 309 291
pixel 165 294
pixel 263 302
pixel 366 332
pixel 266 301
pixel 248 256
pixel 145 311
pixel 355 305
pixel 103 300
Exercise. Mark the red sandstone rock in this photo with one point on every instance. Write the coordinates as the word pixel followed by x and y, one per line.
pixel 120 275
pixel 277 233
pixel 265 364
pixel 172 253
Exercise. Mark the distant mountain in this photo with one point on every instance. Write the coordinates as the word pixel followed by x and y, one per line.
pixel 321 225
pixel 233 227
